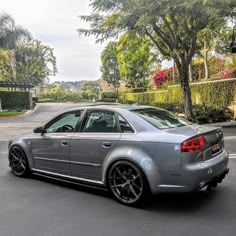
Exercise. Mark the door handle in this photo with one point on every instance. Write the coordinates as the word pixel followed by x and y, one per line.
pixel 106 145
pixel 64 143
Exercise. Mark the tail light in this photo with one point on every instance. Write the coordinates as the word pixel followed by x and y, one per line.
pixel 193 145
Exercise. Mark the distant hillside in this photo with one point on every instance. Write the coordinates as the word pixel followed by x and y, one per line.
pixel 70 86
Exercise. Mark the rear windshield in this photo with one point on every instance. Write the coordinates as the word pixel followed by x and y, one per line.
pixel 161 119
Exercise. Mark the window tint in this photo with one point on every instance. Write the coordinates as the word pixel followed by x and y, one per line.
pixel 100 122
pixel 161 119
pixel 65 123
pixel 125 126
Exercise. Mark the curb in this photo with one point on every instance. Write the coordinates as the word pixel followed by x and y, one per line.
pixel 23 115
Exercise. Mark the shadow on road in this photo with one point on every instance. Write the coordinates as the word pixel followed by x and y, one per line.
pixel 171 202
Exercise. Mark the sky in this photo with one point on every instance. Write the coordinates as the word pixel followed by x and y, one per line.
pixel 54 23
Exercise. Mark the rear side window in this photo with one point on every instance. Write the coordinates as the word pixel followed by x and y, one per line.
pixel 100 122
pixel 124 125
pixel 161 119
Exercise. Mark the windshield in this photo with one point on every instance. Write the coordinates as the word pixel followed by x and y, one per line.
pixel 161 119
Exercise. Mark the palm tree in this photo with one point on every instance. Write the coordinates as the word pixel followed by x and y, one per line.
pixel 10 35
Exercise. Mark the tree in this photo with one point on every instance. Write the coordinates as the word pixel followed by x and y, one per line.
pixel 173 27
pixel 35 62
pixel 110 67
pixel 91 88
pixel 10 35
pixel 5 65
pixel 134 58
pixel 207 39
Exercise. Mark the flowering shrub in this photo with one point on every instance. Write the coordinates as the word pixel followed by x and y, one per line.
pixel 162 77
pixel 230 73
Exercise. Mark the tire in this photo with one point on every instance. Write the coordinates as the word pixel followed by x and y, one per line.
pixel 128 184
pixel 18 162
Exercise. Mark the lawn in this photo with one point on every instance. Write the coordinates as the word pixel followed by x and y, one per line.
pixel 10 113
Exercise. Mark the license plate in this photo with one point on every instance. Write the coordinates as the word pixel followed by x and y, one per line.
pixel 215 148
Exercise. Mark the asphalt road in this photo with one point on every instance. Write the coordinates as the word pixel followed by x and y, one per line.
pixel 42 207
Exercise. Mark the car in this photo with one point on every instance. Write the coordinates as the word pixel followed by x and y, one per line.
pixel 131 150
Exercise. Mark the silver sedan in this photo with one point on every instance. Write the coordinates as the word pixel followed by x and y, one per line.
pixel 130 150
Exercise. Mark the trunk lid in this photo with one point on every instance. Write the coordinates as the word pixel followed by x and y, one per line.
pixel 213 136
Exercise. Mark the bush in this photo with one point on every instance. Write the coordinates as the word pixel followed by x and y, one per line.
pixel 35 99
pixel 204 114
pixel 215 94
pixel 109 95
pixel 137 90
pixel 201 114
pixel 15 100
pixel 230 73
pixel 162 77
pixel 106 100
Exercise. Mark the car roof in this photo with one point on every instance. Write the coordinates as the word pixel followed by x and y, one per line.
pixel 113 107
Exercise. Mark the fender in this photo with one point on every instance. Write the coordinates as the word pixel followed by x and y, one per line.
pixel 25 145
pixel 138 157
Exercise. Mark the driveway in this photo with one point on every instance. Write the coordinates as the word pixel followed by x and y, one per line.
pixel 42 207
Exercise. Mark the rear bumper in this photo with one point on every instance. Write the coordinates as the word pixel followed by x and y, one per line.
pixel 196 175
pixel 216 180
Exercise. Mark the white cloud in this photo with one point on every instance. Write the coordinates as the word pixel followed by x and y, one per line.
pixel 54 22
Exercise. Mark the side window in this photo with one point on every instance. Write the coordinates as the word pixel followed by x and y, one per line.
pixel 100 122
pixel 65 123
pixel 125 126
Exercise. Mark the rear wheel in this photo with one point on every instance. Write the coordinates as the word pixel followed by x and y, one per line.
pixel 127 183
pixel 18 162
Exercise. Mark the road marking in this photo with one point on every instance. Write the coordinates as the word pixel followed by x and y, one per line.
pixel 229 137
pixel 232 156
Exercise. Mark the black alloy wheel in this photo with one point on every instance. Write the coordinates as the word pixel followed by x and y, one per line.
pixel 127 183
pixel 18 162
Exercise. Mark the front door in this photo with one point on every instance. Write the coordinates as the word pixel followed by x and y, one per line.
pixel 97 138
pixel 51 149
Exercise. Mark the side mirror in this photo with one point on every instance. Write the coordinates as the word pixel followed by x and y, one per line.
pixel 38 130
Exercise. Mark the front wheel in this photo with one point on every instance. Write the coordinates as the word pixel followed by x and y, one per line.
pixel 127 183
pixel 18 162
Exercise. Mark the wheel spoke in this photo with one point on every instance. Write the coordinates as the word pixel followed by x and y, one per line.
pixel 132 191
pixel 137 186
pixel 15 157
pixel 136 177
pixel 22 165
pixel 118 185
pixel 119 172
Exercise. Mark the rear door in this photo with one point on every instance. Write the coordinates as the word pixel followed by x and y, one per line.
pixel 89 148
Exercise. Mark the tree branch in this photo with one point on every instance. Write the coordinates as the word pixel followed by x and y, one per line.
pixel 162 35
pixel 169 28
pixel 156 43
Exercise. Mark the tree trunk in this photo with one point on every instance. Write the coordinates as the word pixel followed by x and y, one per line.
pixel 13 64
pixel 190 71
pixel 143 90
pixel 206 66
pixel 173 70
pixel 184 81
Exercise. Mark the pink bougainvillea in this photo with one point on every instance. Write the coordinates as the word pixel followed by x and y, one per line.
pixel 162 77
pixel 230 73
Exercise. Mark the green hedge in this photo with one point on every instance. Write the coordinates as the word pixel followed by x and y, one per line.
pixel 109 95
pixel 15 100
pixel 216 94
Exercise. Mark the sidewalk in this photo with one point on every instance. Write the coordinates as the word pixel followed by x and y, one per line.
pixel 29 112
pixel 223 124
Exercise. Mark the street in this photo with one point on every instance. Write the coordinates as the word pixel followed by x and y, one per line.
pixel 42 207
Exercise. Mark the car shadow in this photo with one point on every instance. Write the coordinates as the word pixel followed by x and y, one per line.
pixel 72 185
pixel 181 202
pixel 168 202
